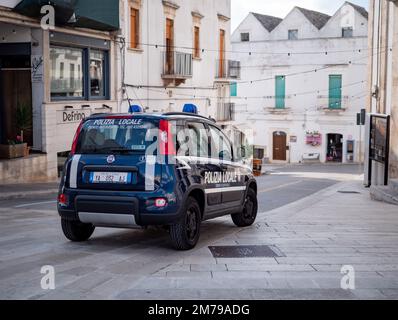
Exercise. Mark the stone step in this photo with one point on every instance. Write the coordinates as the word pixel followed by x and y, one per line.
pixel 384 194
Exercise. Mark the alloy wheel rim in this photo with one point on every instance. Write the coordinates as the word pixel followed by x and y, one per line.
pixel 191 224
pixel 249 208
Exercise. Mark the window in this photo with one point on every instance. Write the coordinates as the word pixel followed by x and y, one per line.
pixel 280 92
pixel 221 148
pixel 100 138
pixel 245 37
pixel 169 63
pixel 61 70
pixel 97 63
pixel 134 28
pixel 293 34
pixel 233 89
pixel 221 54
pixel 61 87
pixel 335 83
pixel 198 141
pixel 196 51
pixel 347 32
pixel 86 71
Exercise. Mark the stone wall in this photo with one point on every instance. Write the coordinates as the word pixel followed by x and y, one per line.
pixel 35 168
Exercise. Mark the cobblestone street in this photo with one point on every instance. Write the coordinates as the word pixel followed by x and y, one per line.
pixel 335 225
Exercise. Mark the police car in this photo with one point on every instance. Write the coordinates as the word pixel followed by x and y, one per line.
pixel 138 170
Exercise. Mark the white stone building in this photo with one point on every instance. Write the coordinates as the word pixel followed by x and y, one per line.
pixel 172 56
pixel 303 81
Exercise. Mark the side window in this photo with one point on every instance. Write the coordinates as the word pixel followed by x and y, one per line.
pixel 220 146
pixel 197 140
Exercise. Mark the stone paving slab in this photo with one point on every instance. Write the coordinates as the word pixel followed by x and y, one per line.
pixel 317 236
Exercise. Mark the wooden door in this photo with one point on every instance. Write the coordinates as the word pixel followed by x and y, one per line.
pixel 15 92
pixel 222 55
pixel 279 146
pixel 169 46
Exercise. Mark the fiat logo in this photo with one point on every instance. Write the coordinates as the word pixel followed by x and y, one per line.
pixel 111 159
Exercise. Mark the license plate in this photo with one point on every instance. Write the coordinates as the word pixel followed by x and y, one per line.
pixel 110 177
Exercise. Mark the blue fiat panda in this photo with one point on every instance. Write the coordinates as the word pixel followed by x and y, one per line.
pixel 138 170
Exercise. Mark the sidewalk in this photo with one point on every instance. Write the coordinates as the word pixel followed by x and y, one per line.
pixel 17 191
pixel 315 238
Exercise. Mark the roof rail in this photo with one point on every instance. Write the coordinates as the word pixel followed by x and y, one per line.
pixel 188 114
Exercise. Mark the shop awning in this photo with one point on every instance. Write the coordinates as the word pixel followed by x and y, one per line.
pixel 97 14
pixel 92 14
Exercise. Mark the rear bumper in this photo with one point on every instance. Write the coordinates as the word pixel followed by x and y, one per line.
pixel 112 211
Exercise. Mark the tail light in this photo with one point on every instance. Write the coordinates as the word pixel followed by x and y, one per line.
pixel 160 203
pixel 76 138
pixel 166 142
pixel 62 199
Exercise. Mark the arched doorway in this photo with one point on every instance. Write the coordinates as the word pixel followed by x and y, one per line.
pixel 334 151
pixel 279 146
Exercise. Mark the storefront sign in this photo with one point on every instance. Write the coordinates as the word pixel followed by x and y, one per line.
pixel 72 116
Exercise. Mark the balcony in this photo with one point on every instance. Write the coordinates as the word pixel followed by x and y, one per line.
pixel 227 70
pixel 225 111
pixel 177 67
pixel 333 104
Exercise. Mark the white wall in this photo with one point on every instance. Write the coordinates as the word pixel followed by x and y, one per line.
pixel 251 25
pixel 306 93
pixel 294 20
pixel 144 67
pixel 346 16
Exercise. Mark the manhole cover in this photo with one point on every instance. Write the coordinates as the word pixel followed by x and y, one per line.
pixel 245 252
pixel 349 192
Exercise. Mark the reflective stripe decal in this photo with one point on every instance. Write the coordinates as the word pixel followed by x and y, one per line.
pixel 150 173
pixel 203 160
pixel 229 189
pixel 73 171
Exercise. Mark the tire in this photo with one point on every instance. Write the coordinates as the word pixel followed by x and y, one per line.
pixel 249 214
pixel 77 231
pixel 185 234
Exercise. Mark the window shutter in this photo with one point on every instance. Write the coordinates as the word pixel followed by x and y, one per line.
pixel 134 28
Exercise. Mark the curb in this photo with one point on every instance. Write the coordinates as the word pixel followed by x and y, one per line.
pixel 26 194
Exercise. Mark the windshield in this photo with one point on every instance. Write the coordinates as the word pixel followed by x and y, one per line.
pixel 117 136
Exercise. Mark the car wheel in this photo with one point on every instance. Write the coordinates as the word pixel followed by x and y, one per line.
pixel 249 214
pixel 77 231
pixel 185 234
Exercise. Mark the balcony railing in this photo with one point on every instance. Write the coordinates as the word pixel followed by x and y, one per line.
pixel 177 65
pixel 226 111
pixel 227 69
pixel 333 103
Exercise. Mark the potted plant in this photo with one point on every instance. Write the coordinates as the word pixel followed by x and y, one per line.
pixel 17 148
pixel 23 119
pixel 14 149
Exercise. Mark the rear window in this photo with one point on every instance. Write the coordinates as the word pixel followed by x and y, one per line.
pixel 117 136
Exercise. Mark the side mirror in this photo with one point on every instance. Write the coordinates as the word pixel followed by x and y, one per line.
pixel 243 152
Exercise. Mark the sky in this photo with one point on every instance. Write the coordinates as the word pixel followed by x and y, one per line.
pixel 280 8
